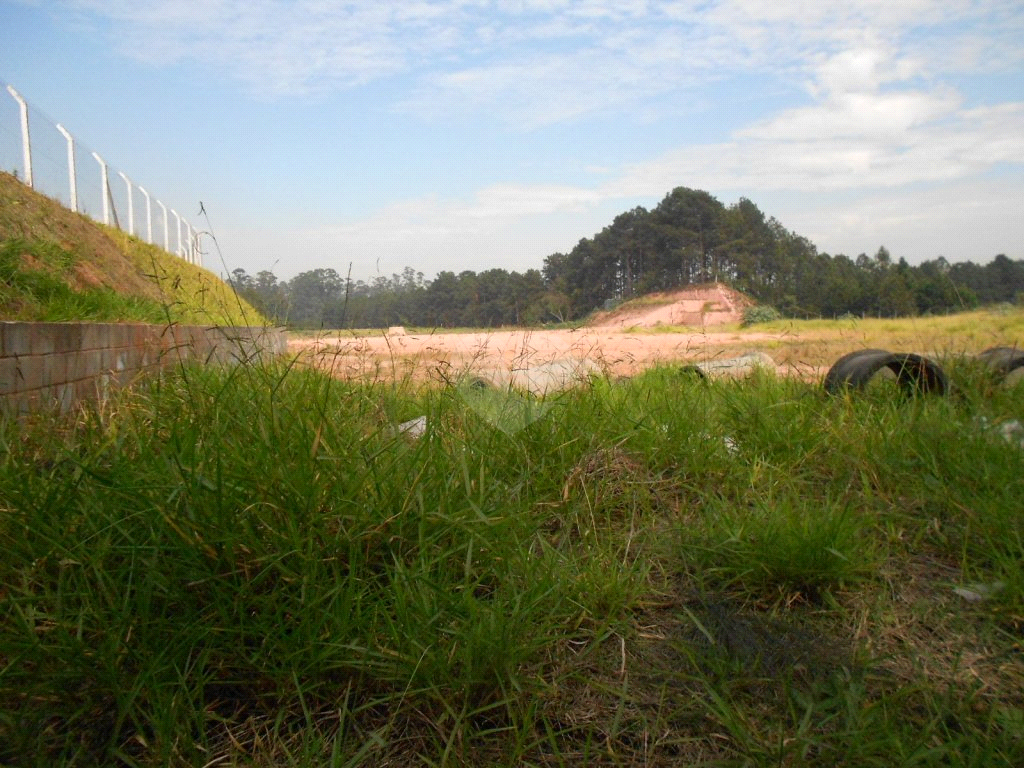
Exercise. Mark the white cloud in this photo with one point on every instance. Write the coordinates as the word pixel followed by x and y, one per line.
pixel 877 146
pixel 283 46
pixel 870 125
pixel 499 206
pixel 885 116
pixel 524 57
pixel 509 201
pixel 962 145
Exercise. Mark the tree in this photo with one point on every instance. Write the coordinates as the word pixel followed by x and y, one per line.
pixel 310 293
pixel 1006 279
pixel 934 291
pixel 441 306
pixel 240 280
pixel 746 240
pixel 896 291
pixel 693 219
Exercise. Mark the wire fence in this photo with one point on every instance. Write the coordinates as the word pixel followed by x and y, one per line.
pixel 47 157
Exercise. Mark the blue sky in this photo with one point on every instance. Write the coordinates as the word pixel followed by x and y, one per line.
pixel 466 134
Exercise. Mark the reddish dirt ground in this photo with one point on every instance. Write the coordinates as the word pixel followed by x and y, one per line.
pixel 619 343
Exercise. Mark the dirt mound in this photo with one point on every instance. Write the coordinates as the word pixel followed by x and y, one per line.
pixel 697 306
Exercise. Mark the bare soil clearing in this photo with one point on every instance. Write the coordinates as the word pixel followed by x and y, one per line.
pixel 699 325
pixel 643 334
pixel 615 352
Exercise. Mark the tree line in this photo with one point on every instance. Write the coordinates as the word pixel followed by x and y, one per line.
pixel 689 238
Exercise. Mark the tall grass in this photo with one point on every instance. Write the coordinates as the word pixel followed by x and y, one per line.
pixel 190 293
pixel 256 566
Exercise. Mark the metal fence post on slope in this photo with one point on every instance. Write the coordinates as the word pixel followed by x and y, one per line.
pixel 177 219
pixel 72 177
pixel 131 206
pixel 167 246
pixel 26 143
pixel 149 216
pixel 103 189
pixel 197 246
pixel 195 249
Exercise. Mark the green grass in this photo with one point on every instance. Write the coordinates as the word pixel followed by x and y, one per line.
pixel 254 566
pixel 43 293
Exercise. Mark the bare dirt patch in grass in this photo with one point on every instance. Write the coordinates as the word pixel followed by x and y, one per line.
pixel 800 348
pixel 436 355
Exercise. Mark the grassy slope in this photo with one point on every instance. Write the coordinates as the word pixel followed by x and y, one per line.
pixel 58 265
pixel 254 567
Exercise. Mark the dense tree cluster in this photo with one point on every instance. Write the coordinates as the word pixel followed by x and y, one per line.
pixel 321 298
pixel 690 237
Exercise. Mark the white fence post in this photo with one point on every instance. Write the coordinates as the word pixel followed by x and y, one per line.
pixel 167 244
pixel 149 216
pixel 177 218
pixel 131 206
pixel 104 185
pixel 193 243
pixel 26 144
pixel 196 245
pixel 72 175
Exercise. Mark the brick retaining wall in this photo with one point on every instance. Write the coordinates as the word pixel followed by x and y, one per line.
pixel 63 363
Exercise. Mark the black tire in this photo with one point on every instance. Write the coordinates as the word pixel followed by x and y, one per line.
pixel 1003 361
pixel 693 371
pixel 919 374
pixel 914 373
pixel 854 370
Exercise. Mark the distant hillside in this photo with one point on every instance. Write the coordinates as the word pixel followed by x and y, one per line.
pixel 57 265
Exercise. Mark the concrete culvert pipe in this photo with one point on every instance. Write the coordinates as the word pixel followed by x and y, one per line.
pixel 913 372
pixel 1005 362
